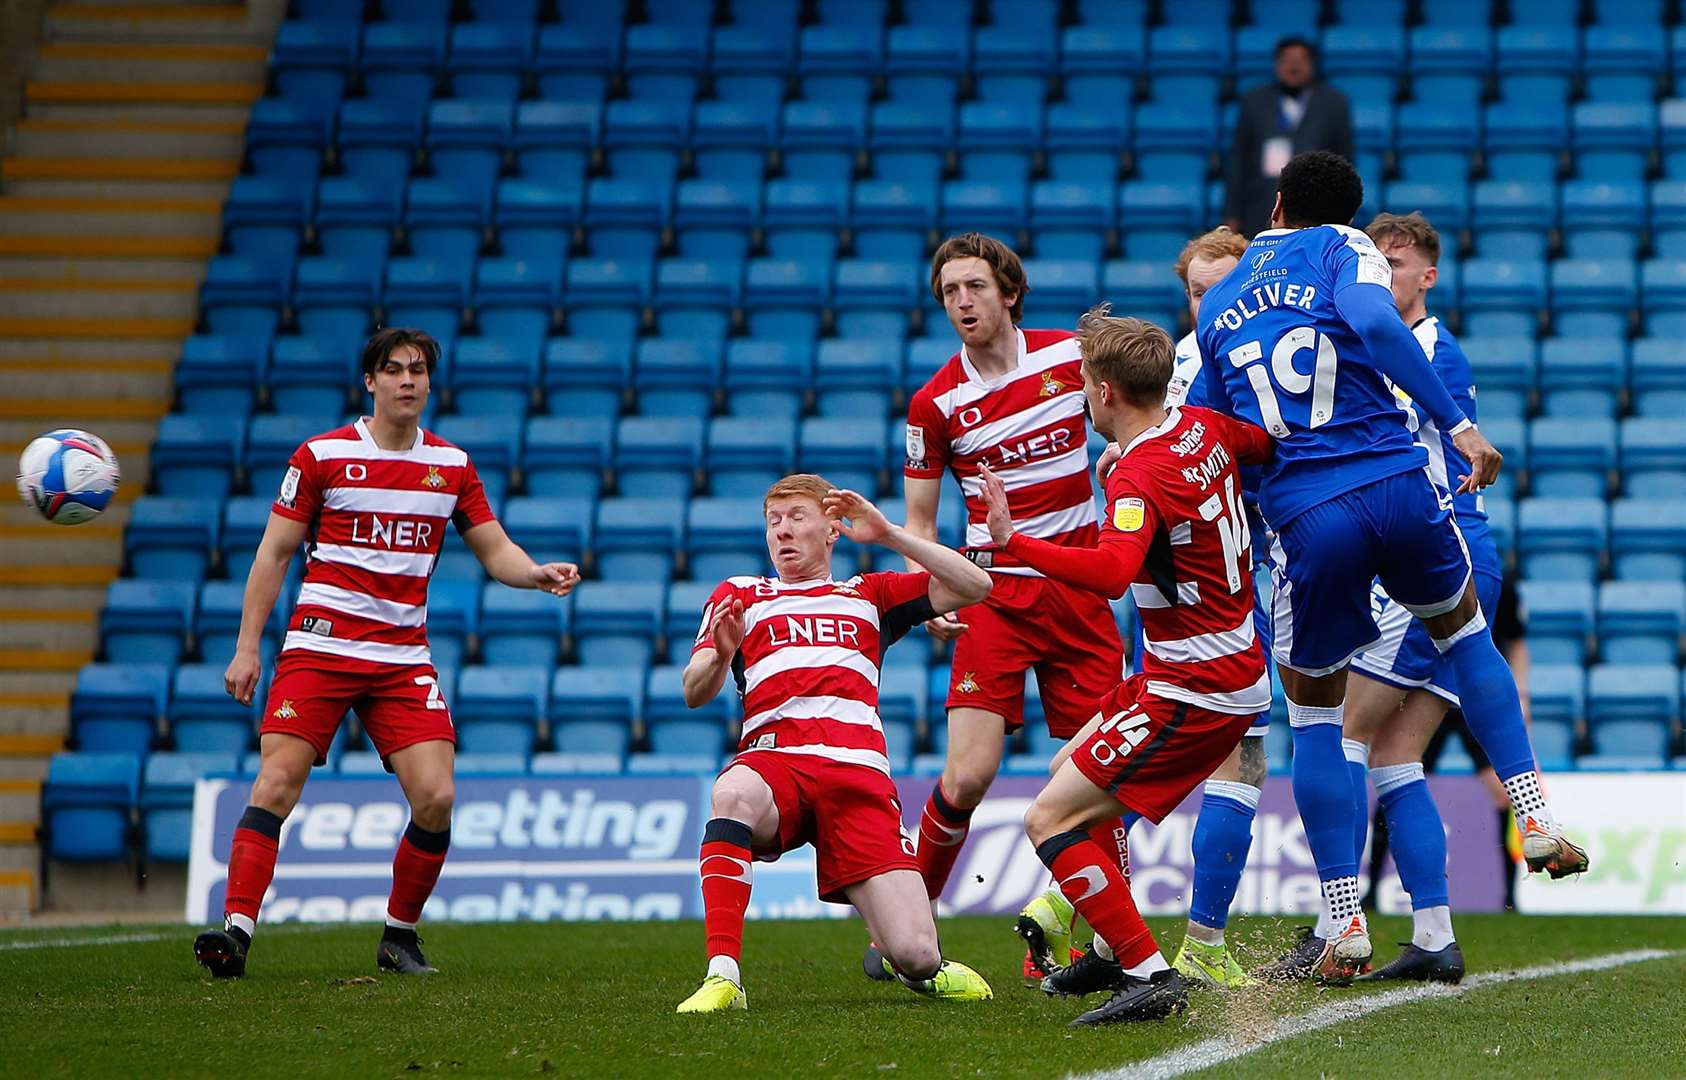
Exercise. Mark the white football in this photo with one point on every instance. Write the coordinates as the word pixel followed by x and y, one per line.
pixel 68 476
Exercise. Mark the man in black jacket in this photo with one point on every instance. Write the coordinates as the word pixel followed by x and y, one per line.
pixel 1288 117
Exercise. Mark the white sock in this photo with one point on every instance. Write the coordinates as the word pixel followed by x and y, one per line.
pixel 1147 967
pixel 1102 949
pixel 399 924
pixel 245 925
pixel 1529 801
pixel 1341 894
pixel 1431 928
pixel 1354 750
pixel 1325 925
pixel 1205 935
pixel 726 968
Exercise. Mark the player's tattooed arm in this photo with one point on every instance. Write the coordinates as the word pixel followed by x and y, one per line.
pixel 955 580
pixel 706 673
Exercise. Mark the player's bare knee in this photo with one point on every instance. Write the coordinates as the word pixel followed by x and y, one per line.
pixel 276 790
pixel 735 800
pixel 965 784
pixel 1041 821
pixel 431 804
pixel 917 958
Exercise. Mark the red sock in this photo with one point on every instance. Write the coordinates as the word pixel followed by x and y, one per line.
pixel 251 863
pixel 1113 837
pixel 1090 878
pixel 725 868
pixel 415 870
pixel 942 833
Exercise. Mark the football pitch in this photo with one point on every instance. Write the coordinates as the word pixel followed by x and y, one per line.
pixel 1547 997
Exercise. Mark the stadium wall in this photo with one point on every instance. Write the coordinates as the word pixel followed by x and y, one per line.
pixel 587 848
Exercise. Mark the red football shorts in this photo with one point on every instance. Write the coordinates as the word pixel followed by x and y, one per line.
pixel 850 813
pixel 399 704
pixel 1149 753
pixel 1066 635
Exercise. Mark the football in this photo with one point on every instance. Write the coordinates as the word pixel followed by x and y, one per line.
pixel 67 476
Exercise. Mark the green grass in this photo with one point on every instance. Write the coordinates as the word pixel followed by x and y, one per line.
pixel 597 1000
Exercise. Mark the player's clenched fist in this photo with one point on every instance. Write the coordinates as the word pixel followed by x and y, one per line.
pixel 1000 519
pixel 556 578
pixel 241 678
pixel 726 628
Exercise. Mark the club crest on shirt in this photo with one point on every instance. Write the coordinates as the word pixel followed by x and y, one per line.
pixel 845 589
pixel 968 683
pixel 1050 385
pixel 286 711
pixel 433 479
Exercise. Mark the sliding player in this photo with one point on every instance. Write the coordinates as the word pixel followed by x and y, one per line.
pixel 372 499
pixel 805 652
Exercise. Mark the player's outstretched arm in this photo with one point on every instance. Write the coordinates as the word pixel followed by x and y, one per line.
pixel 923 495
pixel 706 673
pixel 1107 569
pixel 281 538
pixel 507 563
pixel 1370 310
pixel 955 581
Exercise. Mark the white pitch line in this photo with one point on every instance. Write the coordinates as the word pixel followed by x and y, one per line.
pixel 60 943
pixel 1222 1049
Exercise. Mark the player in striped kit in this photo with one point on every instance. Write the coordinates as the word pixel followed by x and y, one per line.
pixel 372 500
pixel 1013 399
pixel 804 651
pixel 1175 535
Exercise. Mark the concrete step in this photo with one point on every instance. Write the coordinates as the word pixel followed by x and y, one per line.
pixel 19 598
pixel 139 113
pixel 46 717
pixel 62 188
pixel 150 92
pixel 72 269
pixel 128 139
pixel 218 169
pixel 19 894
pixel 33 683
pixel 70 660
pixel 119 378
pixel 20 802
pixel 108 246
pixel 117 23
pixel 42 577
pixel 92 303
pixel 70 412
pixel 31 766
pixel 129 440
pixel 69 61
pixel 91 544
pixel 20 857
pixel 72 629
pixel 68 326
pixel 46 217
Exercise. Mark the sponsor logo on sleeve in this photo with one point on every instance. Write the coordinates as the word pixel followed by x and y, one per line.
pixel 915 447
pixel 289 487
pixel 1128 514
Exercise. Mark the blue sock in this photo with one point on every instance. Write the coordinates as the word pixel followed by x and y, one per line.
pixel 1222 835
pixel 1415 833
pixel 1491 705
pixel 1358 772
pixel 1323 789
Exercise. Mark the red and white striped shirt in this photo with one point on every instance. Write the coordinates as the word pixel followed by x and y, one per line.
pixel 377 519
pixel 1176 534
pixel 1028 425
pixel 808 666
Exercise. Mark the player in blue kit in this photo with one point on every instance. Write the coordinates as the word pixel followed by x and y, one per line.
pixel 1304 339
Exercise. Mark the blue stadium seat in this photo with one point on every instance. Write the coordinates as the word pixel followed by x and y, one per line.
pixel 146 622
pixel 1648 540
pixel 430 294
pixel 1581 376
pixel 1571 457
pixel 1445 204
pixel 1625 745
pixel 566 455
pixel 1085 142
pixel 838 62
pixel 196 455
pixel 274 437
pixel 1554 744
pixel 1187 62
pixel 618 623
pixel 1561 538
pixel 585 377
pixel 1011 63
pixel 401 62
pixel 638 539
pixel 166 800
pixel 714 219
pixel 444 219
pixel 243 522
pixel 750 63
pixel 1502 298
pixel 308 380
pixel 219 376
pixel 1640 622
pixel 516 300
pixel 767 378
pixel 909 141
pixel 1653 457
pixel 783 298
pixel 169 538
pixel 357 763
pixel 1148 290
pixel 334 298
pixel 1510 436
pixel 535 221
pixel 1513 219
pixel 505 703
pixel 850 453
pixel 686 738
pixel 355 219
pixel 644 137
pixel 1156 219
pixel 625 217
pixel 925 63
pixel 202 716
pixel 1592 298
pixel 855 377
pixel 453 616
pixel 982 206
pixel 311 61
pixel 216 624
pixel 1623 63
pixel 1613 142
pixel 466 141
pixel 1664 284
pixel 576 764
pixel 1064 290
pixel 1501 523
pixel 665 62
pixel 263 221
pixel 658 456
pixel 574 61
pixel 86 805
pixel 671 764
pixel 495 446
pixel 377 141
pixel 1603 221
pixel 1536 63
pixel 725 538
pixel 1525 138
pixel 495 376
pixel 242 297
pixel 685 603
pixel 552 530
pixel 593 737
pixel 1435 143
pixel 872 298
pixel 820 139
pixel 489 60
pixel 613 695
pixel 1659 378
pixel 1363 60
pixel 1457 12
pixel 996 136
pixel 1560 620
pixel 1640 692
pixel 902 691
pixel 694 300
pixel 521 627
pixel 892 219
pixel 1071 220
pixel 1449 65
pixel 553 140
pixel 1505 372
pixel 116 707
pixel 664 705
pixel 1174 140
pixel 1557 694
pixel 747 454
pixel 801 218
pixel 489 763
